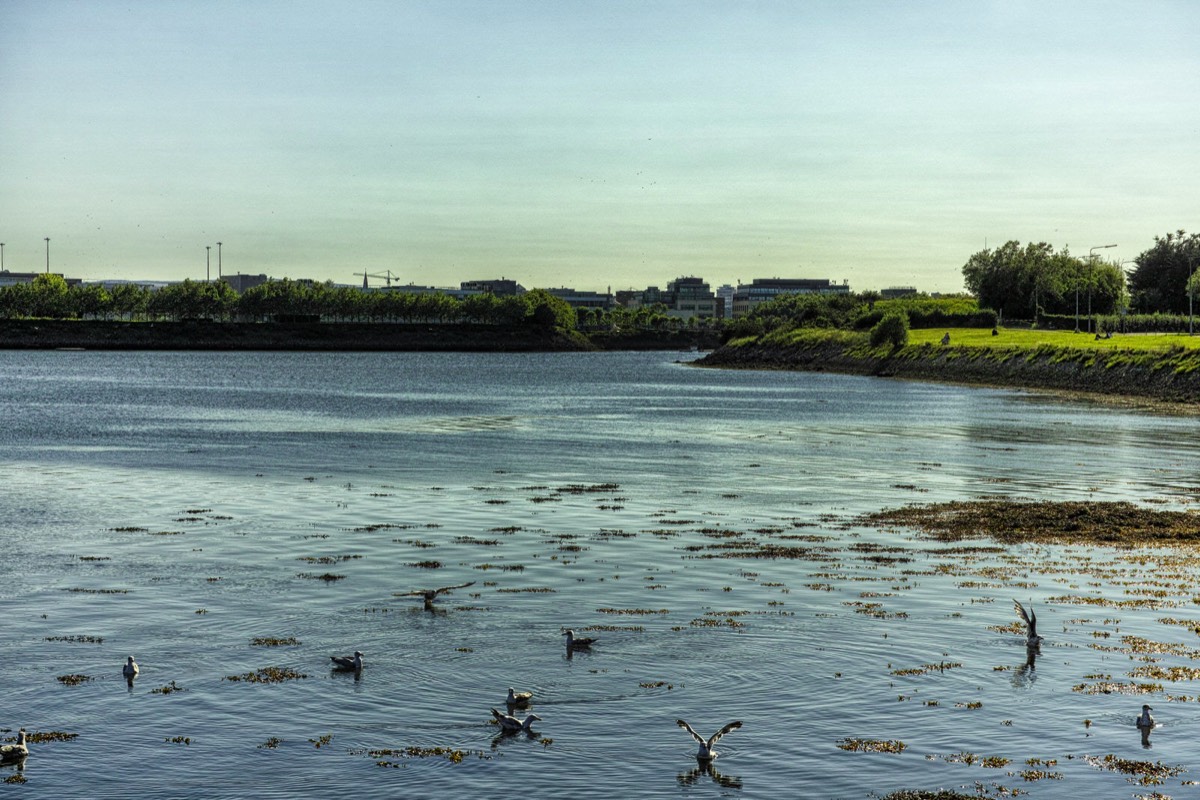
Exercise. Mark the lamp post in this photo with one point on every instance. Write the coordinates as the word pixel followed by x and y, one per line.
pixel 47 255
pixel 208 263
pixel 1 256
pixel 1191 290
pixel 218 261
pixel 1091 266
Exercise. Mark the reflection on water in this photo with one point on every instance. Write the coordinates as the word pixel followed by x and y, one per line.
pixel 222 514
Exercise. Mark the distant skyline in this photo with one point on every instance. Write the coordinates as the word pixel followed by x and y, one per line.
pixel 614 143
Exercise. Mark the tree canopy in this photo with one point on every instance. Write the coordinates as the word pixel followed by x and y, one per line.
pixel 1024 281
pixel 1159 281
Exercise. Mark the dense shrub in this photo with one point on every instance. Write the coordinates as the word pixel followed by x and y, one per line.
pixel 891 330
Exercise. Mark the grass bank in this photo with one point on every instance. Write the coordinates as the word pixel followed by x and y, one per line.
pixel 1162 367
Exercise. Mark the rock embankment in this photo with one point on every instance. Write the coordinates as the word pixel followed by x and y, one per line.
pixel 1162 377
pixel 297 336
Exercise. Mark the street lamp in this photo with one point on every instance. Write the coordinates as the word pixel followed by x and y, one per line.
pixel 1 256
pixel 218 261
pixel 47 255
pixel 208 263
pixel 1091 266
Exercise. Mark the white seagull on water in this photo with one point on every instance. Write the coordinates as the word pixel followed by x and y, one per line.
pixel 511 724
pixel 706 752
pixel 353 662
pixel 130 669
pixel 518 698
pixel 1030 619
pixel 14 752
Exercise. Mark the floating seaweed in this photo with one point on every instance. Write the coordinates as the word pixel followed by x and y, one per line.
pixel 872 745
pixel 267 675
pixel 73 680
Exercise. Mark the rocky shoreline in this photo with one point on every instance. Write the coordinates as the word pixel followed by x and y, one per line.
pixel 329 336
pixel 1153 380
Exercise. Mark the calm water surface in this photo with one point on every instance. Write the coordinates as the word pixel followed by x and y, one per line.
pixel 177 507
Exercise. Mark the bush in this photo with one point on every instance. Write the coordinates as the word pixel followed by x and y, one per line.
pixel 891 329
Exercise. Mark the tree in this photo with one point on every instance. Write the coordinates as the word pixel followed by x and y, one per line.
pixel 546 309
pixel 48 296
pixel 1159 281
pixel 1026 281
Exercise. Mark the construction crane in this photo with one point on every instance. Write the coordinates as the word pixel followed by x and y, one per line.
pixel 386 275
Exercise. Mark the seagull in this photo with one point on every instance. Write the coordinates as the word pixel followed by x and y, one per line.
pixel 577 644
pixel 14 752
pixel 1145 721
pixel 511 724
pixel 130 670
pixel 1030 619
pixel 348 662
pixel 706 752
pixel 429 594
pixel 518 698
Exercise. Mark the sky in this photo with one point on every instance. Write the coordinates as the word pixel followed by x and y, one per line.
pixel 606 144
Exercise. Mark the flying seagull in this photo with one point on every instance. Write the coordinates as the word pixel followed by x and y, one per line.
pixel 1030 619
pixel 353 662
pixel 511 724
pixel 14 752
pixel 574 643
pixel 706 752
pixel 429 594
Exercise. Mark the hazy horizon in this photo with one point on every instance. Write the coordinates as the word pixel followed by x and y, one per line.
pixel 591 144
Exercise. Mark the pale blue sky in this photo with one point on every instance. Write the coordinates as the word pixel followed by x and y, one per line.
pixel 591 144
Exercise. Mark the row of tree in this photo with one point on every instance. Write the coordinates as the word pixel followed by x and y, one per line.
pixel 48 296
pixel 1031 280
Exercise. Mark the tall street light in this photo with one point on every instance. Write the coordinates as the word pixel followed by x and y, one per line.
pixel 1 256
pixel 47 255
pixel 218 261
pixel 1091 266
pixel 208 263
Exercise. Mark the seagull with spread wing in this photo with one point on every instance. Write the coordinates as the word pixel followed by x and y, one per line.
pixel 429 594
pixel 1030 619
pixel 706 752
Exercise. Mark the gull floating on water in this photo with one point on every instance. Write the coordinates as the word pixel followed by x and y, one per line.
pixel 706 752
pixel 1145 721
pixel 1030 619
pixel 130 669
pixel 14 752
pixel 513 724
pixel 429 594
pixel 353 662
pixel 518 698
pixel 574 643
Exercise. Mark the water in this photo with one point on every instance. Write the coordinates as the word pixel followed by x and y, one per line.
pixel 177 506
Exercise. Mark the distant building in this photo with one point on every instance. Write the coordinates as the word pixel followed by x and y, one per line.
pixel 894 292
pixel 749 296
pixel 583 300
pixel 240 283
pixel 684 298
pixel 501 287
pixel 412 288
pixel 725 301
pixel 10 278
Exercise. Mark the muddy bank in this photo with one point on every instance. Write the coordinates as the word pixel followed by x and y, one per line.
pixel 301 336
pixel 332 336
pixel 1154 377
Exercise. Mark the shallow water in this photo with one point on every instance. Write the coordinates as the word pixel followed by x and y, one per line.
pixel 176 506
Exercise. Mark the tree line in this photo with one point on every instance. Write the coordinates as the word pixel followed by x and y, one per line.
pixel 49 296
pixel 1032 281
